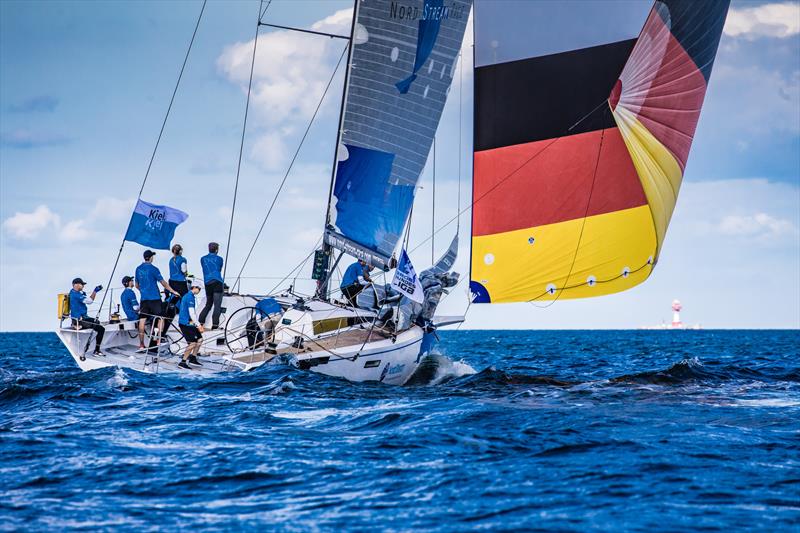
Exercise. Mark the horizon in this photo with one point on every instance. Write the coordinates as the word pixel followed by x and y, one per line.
pixel 74 150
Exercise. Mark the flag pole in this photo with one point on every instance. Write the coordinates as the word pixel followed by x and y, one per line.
pixel 155 148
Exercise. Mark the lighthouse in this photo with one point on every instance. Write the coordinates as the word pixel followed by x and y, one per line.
pixel 676 314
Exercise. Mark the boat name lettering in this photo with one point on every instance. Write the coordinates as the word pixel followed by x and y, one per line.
pixel 398 10
pixel 396 369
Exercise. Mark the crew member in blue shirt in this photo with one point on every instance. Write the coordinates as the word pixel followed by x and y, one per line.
pixel 355 278
pixel 79 312
pixel 128 299
pixel 178 270
pixel 191 329
pixel 147 279
pixel 212 276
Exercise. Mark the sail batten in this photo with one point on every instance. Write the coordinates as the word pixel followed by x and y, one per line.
pixel 400 74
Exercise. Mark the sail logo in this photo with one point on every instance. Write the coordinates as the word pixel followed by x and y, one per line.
pixel 430 19
pixel 155 219
pixel 429 11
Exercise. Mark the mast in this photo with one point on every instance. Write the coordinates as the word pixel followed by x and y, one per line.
pixel 327 248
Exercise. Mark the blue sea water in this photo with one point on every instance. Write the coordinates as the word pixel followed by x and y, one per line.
pixel 562 430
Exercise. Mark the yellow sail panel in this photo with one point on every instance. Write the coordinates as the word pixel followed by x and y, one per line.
pixel 580 258
pixel 657 168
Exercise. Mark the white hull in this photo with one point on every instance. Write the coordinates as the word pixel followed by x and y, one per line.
pixel 355 353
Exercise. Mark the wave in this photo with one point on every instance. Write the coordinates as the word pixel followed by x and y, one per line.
pixel 692 370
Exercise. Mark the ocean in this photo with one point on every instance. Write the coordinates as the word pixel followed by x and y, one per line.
pixel 503 430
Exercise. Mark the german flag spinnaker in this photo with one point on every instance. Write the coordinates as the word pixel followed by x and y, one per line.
pixel 580 151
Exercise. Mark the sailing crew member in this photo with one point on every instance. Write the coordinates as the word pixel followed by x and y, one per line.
pixel 191 329
pixel 79 312
pixel 128 299
pixel 147 279
pixel 178 270
pixel 212 276
pixel 355 278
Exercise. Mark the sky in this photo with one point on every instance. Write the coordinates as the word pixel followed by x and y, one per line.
pixel 83 91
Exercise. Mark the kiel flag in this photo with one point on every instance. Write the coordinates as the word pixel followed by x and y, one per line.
pixel 406 280
pixel 154 225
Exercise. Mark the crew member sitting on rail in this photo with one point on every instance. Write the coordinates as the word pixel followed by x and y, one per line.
pixel 147 279
pixel 79 312
pixel 191 329
pixel 178 270
pixel 355 278
pixel 212 276
pixel 128 299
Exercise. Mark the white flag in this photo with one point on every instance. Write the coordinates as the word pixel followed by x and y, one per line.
pixel 406 280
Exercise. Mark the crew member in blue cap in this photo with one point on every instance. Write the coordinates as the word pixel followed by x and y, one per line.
pixel 128 299
pixel 79 312
pixel 191 329
pixel 147 279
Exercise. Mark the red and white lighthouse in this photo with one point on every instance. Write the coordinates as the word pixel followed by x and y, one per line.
pixel 676 314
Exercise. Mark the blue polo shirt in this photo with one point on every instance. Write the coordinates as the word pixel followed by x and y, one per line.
pixel 148 276
pixel 175 271
pixel 77 309
pixel 187 302
pixel 128 301
pixel 212 268
pixel 351 275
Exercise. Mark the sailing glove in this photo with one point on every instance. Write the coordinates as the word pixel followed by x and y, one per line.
pixel 98 288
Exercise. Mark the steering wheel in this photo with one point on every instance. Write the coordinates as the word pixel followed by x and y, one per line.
pixel 235 335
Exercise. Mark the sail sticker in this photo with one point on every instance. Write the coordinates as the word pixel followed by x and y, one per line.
pixel 430 20
pixel 406 281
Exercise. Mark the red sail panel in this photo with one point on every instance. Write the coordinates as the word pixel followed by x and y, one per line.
pixel 549 181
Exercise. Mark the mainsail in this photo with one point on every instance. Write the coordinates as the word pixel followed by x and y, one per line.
pixel 581 143
pixel 402 63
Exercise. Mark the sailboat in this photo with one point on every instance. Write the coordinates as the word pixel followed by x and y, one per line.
pixel 580 141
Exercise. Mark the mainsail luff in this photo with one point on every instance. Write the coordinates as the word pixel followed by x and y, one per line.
pixel 326 247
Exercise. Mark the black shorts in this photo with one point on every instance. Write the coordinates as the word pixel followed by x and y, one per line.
pixel 190 333
pixel 150 308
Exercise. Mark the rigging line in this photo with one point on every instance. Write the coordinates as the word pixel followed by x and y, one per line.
pixel 158 141
pixel 241 144
pixel 583 225
pixel 299 265
pixel 262 13
pixel 460 112
pixel 289 169
pixel 433 201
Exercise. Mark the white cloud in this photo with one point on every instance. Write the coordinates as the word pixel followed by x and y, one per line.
pixel 760 225
pixel 28 226
pixel 43 221
pixel 112 209
pixel 270 151
pixel 73 231
pixel 290 74
pixel 769 20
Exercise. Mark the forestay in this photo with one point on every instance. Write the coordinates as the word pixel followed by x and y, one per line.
pixel 584 115
pixel 402 65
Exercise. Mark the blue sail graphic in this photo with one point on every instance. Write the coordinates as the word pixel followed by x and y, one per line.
pixel 369 208
pixel 426 39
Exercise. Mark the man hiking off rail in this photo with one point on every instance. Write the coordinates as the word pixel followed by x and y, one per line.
pixel 79 312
